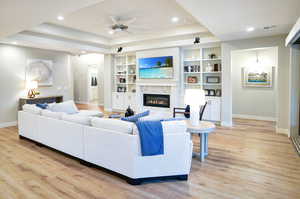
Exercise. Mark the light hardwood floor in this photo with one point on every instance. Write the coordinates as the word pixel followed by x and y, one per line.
pixel 247 161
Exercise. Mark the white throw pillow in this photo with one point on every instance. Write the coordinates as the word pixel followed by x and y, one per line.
pixel 113 125
pixel 76 118
pixel 50 114
pixel 68 107
pixel 89 113
pixel 154 116
pixel 174 127
pixel 32 108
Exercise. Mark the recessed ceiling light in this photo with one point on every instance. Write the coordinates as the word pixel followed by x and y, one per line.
pixel 175 19
pixel 60 18
pixel 83 52
pixel 111 32
pixel 250 29
pixel 15 43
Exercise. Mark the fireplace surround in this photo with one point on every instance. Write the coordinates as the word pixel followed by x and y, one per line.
pixel 156 100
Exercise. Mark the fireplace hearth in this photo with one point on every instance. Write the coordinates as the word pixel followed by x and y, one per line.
pixel 156 100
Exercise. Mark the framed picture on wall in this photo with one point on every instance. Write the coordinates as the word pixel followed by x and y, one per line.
pixel 260 78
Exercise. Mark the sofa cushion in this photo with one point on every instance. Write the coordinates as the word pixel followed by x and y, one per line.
pixel 156 115
pixel 89 113
pixel 113 125
pixel 76 118
pixel 175 126
pixel 136 117
pixel 50 114
pixel 68 107
pixel 32 108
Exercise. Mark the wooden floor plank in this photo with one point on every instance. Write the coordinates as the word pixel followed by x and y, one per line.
pixel 247 161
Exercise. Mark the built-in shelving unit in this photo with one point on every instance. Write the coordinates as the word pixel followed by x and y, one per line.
pixel 124 77
pixel 125 73
pixel 202 68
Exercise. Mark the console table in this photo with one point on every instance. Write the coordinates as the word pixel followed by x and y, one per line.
pixel 203 129
pixel 39 100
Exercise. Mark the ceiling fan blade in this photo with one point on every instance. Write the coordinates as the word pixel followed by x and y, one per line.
pixel 129 21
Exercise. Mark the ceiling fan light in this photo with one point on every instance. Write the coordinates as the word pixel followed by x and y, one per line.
pixel 111 32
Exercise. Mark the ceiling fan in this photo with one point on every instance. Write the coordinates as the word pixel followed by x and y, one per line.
pixel 120 25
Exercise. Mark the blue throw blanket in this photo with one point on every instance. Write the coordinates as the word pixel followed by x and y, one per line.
pixel 151 137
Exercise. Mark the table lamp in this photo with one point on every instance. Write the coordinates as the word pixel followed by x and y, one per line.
pixel 195 98
pixel 31 86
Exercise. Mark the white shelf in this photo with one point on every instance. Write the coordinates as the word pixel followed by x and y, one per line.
pixel 192 72
pixel 214 72
pixel 216 59
pixel 193 84
pixel 199 60
pixel 212 84
pixel 192 60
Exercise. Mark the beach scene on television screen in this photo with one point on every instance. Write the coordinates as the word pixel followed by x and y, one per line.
pixel 156 67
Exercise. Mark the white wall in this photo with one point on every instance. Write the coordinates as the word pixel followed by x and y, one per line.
pixel 253 102
pixel 13 61
pixel 108 80
pixel 82 82
pixel 283 75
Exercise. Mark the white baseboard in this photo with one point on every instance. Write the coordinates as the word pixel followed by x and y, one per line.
pixel 8 124
pixel 254 117
pixel 227 124
pixel 283 131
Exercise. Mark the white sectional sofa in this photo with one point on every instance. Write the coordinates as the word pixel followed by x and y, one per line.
pixel 110 143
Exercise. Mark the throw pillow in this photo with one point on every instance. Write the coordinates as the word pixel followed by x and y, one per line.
pixel 68 107
pixel 136 117
pixel 42 106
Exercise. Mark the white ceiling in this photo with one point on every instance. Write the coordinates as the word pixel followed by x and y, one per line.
pixel 87 22
pixel 152 16
pixel 228 19
pixel 19 15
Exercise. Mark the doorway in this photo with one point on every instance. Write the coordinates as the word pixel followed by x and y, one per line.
pixel 254 83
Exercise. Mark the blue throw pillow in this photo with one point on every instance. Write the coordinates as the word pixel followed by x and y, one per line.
pixel 42 106
pixel 136 117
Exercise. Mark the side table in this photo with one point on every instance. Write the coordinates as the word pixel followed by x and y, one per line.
pixel 203 129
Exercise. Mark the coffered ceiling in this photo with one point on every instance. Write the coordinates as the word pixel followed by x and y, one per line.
pixel 152 16
pixel 230 19
pixel 87 23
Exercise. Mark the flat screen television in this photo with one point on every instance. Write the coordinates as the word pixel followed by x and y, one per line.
pixel 156 67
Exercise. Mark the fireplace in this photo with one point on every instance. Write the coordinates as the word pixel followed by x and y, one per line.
pixel 157 100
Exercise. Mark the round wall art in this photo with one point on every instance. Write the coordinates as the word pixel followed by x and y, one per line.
pixel 40 71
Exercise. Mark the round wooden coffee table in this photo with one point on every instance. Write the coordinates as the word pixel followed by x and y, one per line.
pixel 203 129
